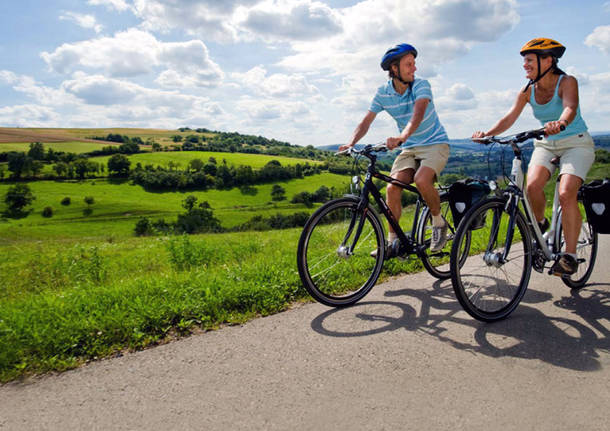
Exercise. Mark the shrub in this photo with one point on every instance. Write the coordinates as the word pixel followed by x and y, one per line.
pixel 87 211
pixel 47 212
pixel 89 200
pixel 66 201
pixel 143 227
pixel 18 197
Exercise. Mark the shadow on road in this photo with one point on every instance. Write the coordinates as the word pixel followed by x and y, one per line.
pixel 528 333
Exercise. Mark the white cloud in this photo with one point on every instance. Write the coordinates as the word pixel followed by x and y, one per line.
pixel 135 52
pixel 600 38
pixel 120 5
pixel 85 21
pixel 300 20
pixel 205 18
pixel 275 85
pixel 28 116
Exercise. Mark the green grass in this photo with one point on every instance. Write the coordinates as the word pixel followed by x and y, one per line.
pixel 64 302
pixel 118 206
pixel 182 158
pixel 68 147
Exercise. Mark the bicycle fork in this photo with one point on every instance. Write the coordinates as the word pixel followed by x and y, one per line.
pixel 500 258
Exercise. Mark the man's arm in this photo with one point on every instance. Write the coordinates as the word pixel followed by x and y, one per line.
pixel 419 109
pixel 360 130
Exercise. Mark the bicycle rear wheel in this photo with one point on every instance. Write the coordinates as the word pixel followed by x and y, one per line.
pixel 586 250
pixel 334 254
pixel 488 286
pixel 437 263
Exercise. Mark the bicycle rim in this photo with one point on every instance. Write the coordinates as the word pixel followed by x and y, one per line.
pixel 331 271
pixel 437 263
pixel 586 251
pixel 488 287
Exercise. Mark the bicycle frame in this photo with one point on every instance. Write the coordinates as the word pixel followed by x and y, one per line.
pixel 408 243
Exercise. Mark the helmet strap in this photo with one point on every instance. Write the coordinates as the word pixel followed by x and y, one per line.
pixel 540 75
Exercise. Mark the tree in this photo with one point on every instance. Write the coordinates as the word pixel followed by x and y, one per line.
pixel 18 197
pixel 19 164
pixel 278 193
pixel 119 165
pixel 36 151
pixel 196 165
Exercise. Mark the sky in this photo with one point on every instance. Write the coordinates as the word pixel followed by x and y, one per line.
pixel 300 71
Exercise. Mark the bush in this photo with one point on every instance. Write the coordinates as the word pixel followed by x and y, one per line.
pixel 18 197
pixel 87 212
pixel 89 200
pixel 143 227
pixel 66 201
pixel 47 212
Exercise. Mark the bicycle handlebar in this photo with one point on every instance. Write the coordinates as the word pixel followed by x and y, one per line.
pixel 368 149
pixel 514 139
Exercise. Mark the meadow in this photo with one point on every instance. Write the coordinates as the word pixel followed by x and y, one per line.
pixel 76 288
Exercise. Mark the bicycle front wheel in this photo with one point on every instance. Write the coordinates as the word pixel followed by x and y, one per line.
pixel 586 250
pixel 437 262
pixel 334 255
pixel 489 282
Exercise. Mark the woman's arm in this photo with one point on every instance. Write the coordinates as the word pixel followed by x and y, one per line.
pixel 568 92
pixel 509 119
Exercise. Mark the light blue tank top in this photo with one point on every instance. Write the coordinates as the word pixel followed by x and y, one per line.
pixel 552 110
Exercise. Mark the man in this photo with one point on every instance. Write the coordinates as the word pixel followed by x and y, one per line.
pixel 424 142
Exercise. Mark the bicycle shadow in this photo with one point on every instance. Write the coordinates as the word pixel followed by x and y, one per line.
pixel 527 334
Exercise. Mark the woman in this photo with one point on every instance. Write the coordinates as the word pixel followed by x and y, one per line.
pixel 553 96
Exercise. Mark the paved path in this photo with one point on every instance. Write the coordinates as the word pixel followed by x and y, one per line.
pixel 407 357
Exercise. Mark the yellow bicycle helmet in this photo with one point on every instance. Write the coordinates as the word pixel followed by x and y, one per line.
pixel 543 46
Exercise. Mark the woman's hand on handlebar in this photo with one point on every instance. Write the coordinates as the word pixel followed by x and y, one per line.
pixel 345 147
pixel 554 127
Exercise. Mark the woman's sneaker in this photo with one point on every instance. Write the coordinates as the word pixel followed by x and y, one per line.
pixel 439 237
pixel 565 265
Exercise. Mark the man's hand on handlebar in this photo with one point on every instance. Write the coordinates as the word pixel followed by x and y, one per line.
pixel 392 143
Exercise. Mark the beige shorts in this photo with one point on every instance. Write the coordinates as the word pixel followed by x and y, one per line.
pixel 576 154
pixel 431 156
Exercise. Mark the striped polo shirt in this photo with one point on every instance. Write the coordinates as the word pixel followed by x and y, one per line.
pixel 400 107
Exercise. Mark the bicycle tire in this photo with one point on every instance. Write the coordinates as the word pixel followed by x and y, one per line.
pixel 483 280
pixel 437 263
pixel 586 251
pixel 331 274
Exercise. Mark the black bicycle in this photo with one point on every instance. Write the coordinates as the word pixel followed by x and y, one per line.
pixel 335 259
pixel 498 243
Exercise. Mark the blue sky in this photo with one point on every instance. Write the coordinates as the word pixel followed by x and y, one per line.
pixel 301 71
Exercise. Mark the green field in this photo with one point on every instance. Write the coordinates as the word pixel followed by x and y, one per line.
pixel 118 205
pixel 68 147
pixel 182 158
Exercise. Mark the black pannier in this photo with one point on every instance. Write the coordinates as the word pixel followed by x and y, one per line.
pixel 463 194
pixel 596 199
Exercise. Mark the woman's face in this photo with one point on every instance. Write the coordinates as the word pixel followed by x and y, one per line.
pixel 530 65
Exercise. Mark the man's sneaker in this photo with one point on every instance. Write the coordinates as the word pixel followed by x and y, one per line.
pixel 389 252
pixel 544 225
pixel 439 237
pixel 565 265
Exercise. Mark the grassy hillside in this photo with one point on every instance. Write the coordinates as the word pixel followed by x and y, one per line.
pixel 118 205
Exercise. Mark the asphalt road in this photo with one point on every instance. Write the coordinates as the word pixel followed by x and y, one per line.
pixel 406 357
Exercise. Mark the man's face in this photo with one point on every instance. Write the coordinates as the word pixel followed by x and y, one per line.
pixel 407 68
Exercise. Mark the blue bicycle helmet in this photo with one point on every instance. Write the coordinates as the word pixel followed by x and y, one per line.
pixel 395 53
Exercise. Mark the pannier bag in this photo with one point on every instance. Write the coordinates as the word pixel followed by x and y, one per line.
pixel 463 194
pixel 596 198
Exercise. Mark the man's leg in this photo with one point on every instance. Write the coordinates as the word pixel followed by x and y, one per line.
pixel 424 180
pixel 393 194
